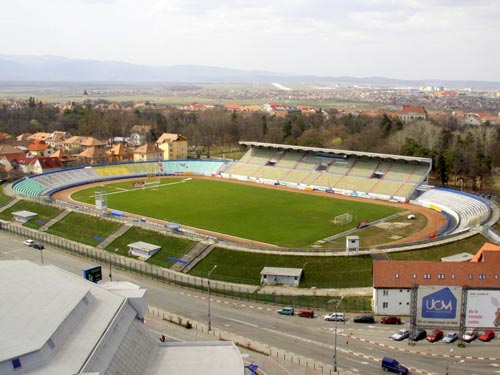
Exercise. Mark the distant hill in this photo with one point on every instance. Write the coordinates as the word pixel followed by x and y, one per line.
pixel 31 68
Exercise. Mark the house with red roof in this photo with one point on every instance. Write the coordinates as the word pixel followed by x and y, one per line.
pixel 34 164
pixel 394 280
pixel 40 147
pixel 148 152
pixel 411 113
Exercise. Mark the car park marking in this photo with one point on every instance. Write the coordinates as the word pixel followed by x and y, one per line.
pixel 422 353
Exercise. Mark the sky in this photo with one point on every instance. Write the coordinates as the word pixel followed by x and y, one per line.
pixel 404 39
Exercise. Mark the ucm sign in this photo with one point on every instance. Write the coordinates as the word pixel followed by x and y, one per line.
pixel 438 306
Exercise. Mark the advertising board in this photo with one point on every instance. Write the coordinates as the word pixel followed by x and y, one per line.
pixel 438 306
pixel 483 308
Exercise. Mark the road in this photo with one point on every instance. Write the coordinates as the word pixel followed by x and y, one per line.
pixel 359 346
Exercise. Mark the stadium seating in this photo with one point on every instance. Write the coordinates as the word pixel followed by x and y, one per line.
pixel 45 184
pixel 469 210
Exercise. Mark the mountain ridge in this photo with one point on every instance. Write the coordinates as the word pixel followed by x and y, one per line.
pixel 48 68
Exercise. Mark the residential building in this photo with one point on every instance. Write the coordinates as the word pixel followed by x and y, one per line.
pixel 174 146
pixel 411 113
pixel 119 152
pixel 40 147
pixel 148 152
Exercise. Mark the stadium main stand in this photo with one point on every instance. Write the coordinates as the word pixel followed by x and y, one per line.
pixel 369 175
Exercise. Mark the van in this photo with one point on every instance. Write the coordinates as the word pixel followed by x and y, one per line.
pixel 335 316
pixel 390 364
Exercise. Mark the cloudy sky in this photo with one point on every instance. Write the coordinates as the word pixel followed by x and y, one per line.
pixel 407 39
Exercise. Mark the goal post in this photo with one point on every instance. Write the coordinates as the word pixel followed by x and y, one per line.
pixel 151 181
pixel 343 219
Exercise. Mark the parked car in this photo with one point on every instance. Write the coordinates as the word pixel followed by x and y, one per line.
pixel 450 337
pixel 488 335
pixel 470 335
pixel 338 316
pixel 435 335
pixel 391 319
pixel 401 334
pixel 306 313
pixel 38 245
pixel 28 242
pixel 364 319
pixel 417 335
pixel 288 310
pixel 390 364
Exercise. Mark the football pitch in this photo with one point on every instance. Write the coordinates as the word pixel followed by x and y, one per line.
pixel 274 216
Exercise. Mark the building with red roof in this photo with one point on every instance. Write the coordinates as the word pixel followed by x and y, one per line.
pixel 411 113
pixel 393 280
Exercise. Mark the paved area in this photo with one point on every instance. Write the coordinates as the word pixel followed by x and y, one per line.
pixel 271 361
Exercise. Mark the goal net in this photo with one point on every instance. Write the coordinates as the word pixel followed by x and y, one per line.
pixel 343 219
pixel 151 181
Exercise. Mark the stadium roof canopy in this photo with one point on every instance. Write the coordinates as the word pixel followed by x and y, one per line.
pixel 333 152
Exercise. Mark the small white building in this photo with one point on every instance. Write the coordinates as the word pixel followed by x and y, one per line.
pixel 143 249
pixel 277 275
pixel 23 216
pixel 352 244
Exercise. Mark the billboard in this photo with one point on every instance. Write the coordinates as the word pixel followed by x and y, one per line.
pixel 93 274
pixel 439 306
pixel 483 308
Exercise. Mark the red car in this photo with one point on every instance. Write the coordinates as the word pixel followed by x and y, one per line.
pixel 435 335
pixel 306 313
pixel 488 335
pixel 391 319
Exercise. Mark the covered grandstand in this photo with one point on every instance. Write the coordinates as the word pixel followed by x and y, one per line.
pixel 361 174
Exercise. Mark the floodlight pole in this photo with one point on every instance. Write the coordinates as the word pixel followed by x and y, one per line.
pixel 41 255
pixel 208 279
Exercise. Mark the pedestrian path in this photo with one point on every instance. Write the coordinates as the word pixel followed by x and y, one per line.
pixel 9 204
pixel 114 236
pixel 51 222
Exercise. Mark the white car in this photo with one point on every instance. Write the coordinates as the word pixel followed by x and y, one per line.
pixel 339 316
pixel 450 337
pixel 402 334
pixel 470 335
pixel 28 242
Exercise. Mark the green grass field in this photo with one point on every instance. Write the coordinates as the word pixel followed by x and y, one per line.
pixel 170 246
pixel 321 272
pixel 83 228
pixel 45 213
pixel 287 219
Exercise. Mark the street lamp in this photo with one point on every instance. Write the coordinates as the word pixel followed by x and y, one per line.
pixel 337 303
pixel 208 278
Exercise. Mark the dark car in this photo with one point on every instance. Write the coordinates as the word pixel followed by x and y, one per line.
pixel 435 335
pixel 488 335
pixel 364 319
pixel 37 245
pixel 306 313
pixel 391 319
pixel 390 364
pixel 417 335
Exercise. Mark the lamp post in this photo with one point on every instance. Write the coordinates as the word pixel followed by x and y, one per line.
pixel 208 278
pixel 336 306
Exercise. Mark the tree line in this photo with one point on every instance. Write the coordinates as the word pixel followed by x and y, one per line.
pixel 463 156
